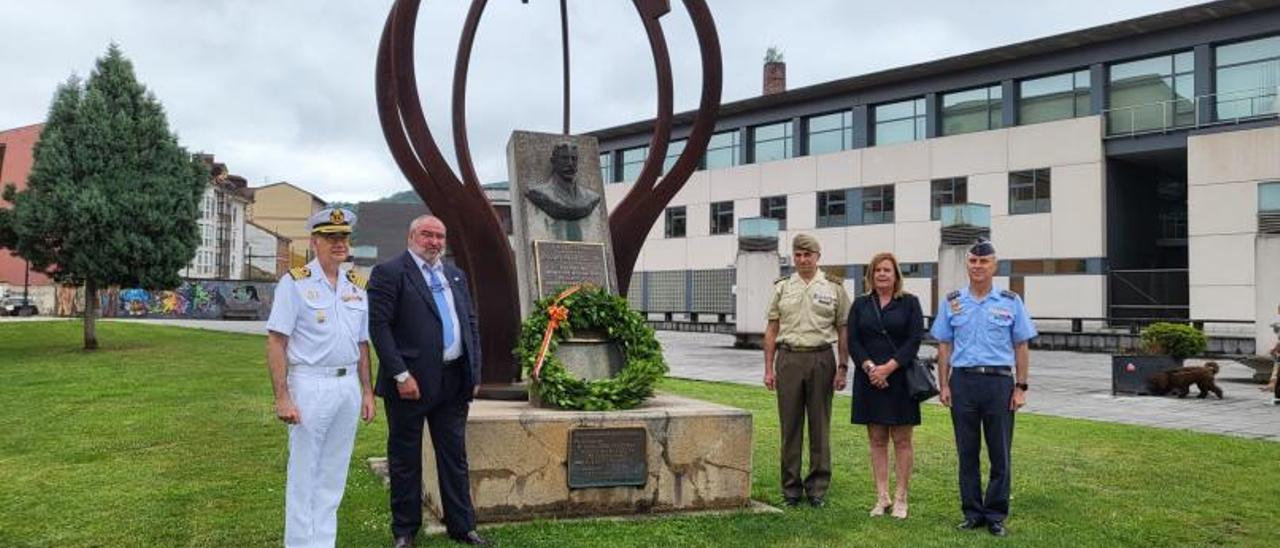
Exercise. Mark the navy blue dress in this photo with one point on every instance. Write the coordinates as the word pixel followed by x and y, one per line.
pixel 903 320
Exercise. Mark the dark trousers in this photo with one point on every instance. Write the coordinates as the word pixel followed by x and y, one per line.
pixel 447 422
pixel 980 409
pixel 804 392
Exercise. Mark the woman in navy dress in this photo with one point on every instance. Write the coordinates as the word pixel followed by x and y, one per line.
pixel 885 326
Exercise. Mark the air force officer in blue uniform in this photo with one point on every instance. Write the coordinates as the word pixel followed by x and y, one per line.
pixel 424 329
pixel 982 335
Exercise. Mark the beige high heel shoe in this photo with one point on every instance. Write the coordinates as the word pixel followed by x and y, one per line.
pixel 880 507
pixel 900 509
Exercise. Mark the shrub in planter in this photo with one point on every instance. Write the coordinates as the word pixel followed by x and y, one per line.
pixel 1178 341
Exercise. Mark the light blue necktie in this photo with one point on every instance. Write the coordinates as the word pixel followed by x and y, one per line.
pixel 442 305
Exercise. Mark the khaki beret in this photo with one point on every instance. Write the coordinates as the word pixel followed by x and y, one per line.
pixel 805 242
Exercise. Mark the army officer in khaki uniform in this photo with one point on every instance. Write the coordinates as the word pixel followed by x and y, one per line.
pixel 807 314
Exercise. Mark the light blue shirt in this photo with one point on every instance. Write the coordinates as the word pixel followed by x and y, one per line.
pixel 983 332
pixel 325 324
pixel 453 351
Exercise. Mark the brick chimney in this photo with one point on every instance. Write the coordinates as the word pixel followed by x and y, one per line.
pixel 775 72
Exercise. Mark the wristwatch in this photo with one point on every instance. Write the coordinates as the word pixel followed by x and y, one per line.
pixel 1022 386
pixel 403 376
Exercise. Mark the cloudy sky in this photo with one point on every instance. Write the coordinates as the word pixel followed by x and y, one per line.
pixel 283 89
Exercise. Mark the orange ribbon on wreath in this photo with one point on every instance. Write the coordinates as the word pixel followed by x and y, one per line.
pixel 557 314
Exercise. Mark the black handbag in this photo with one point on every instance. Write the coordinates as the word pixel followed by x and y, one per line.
pixel 921 384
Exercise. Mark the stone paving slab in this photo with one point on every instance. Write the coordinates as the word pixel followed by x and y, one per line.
pixel 1065 384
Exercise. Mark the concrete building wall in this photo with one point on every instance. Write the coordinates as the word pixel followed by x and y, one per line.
pixel 1223 174
pixel 1074 228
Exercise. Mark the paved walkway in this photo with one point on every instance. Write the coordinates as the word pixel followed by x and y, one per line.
pixel 1065 384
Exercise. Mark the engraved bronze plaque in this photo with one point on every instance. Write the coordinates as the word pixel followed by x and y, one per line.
pixel 561 264
pixel 608 457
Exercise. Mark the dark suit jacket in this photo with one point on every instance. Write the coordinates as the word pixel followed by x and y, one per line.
pixel 407 332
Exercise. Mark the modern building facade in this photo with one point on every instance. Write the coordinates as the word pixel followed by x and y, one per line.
pixel 1125 167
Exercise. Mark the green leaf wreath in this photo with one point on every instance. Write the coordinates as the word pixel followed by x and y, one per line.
pixel 592 309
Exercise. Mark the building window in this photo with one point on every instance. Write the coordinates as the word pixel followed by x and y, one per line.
pixel 775 207
pixel 972 110
pixel 900 122
pixel 771 142
pixel 870 205
pixel 674 150
pixel 829 132
pixel 1056 97
pixel 606 167
pixel 721 218
pixel 949 191
pixel 1029 191
pixel 877 205
pixel 1269 196
pixel 831 208
pixel 633 162
pixel 1152 94
pixel 722 150
pixel 675 222
pixel 1247 76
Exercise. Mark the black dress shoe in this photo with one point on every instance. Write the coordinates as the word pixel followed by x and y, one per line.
pixel 970 523
pixel 470 537
pixel 817 502
pixel 791 502
pixel 997 528
pixel 403 542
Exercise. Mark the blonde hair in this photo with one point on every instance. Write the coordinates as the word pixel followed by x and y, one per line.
pixel 869 277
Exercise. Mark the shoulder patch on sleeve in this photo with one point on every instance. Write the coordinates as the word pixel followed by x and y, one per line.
pixel 780 280
pixel 1008 294
pixel 833 278
pixel 300 273
pixel 953 295
pixel 356 279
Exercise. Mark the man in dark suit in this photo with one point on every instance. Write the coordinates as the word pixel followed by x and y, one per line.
pixel 423 326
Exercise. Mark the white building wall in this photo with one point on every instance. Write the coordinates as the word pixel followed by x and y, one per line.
pixel 1075 227
pixel 1223 173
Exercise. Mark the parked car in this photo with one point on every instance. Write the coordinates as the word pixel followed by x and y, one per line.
pixel 17 306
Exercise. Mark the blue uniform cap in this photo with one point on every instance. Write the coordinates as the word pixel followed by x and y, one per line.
pixel 982 248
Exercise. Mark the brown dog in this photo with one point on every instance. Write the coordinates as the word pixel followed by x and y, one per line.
pixel 1179 381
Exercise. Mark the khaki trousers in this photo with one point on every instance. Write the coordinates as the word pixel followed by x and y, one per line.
pixel 804 392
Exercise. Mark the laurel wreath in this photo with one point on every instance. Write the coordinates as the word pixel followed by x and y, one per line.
pixel 589 309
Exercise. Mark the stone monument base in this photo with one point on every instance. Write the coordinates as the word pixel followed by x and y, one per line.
pixel 697 456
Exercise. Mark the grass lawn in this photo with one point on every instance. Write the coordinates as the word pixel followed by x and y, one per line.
pixel 166 436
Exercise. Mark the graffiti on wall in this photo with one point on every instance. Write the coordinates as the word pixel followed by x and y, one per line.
pixel 194 299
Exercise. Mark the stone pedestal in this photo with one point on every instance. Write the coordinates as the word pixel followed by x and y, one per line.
pixel 697 456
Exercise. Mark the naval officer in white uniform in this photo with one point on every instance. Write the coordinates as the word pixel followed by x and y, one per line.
pixel 318 356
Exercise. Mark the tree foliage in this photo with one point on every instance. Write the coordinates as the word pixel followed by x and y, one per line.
pixel 112 198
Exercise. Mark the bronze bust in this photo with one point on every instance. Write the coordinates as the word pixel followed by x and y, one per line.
pixel 562 198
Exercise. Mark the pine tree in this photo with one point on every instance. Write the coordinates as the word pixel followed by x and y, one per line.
pixel 112 199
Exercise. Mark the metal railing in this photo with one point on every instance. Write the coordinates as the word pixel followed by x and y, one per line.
pixel 1177 114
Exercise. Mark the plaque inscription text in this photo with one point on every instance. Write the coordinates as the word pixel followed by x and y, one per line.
pixel 608 457
pixel 561 264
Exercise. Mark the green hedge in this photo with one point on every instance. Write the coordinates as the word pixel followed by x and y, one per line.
pixel 1174 339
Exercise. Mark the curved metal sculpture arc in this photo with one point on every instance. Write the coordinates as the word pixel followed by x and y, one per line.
pixel 474 226
pixel 477 225
pixel 632 218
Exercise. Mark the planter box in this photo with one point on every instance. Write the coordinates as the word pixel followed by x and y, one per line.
pixel 1129 374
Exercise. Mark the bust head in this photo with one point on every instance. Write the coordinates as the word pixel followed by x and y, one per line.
pixel 564 162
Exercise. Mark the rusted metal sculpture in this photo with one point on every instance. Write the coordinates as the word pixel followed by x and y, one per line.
pixel 476 236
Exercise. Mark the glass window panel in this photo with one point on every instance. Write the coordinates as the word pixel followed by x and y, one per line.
pixel 722 150
pixel 972 110
pixel 675 223
pixel 1246 52
pixel 1269 196
pixel 831 208
pixel 1184 62
pixel 891 111
pixel 899 131
pixel 722 218
pixel 673 153
pixel 829 133
pixel 772 142
pixel 1144 95
pixel 633 162
pixel 606 167
pixel 900 122
pixel 775 207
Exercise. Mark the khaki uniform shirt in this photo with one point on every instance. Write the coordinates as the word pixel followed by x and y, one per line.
pixel 809 314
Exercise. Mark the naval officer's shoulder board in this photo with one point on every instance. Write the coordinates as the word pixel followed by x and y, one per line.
pixel 300 273
pixel 1008 294
pixel 356 279
pixel 953 295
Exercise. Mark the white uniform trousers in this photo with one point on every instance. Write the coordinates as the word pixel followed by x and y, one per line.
pixel 319 453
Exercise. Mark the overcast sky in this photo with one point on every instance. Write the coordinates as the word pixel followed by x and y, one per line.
pixel 282 90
